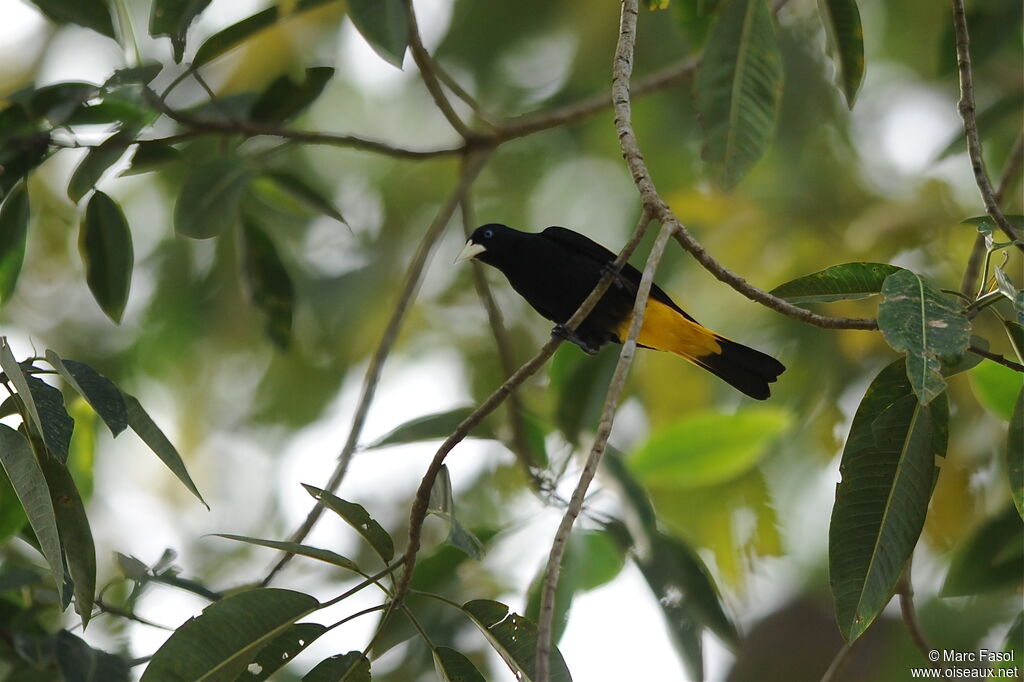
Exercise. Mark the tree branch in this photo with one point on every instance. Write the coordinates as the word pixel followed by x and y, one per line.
pixel 994 357
pixel 422 499
pixel 604 429
pixel 470 170
pixel 905 591
pixel 968 114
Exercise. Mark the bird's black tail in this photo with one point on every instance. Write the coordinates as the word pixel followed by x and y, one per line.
pixel 742 367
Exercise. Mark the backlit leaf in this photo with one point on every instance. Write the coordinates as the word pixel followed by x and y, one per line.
pixel 105 242
pixel 839 282
pixel 996 387
pixel 384 25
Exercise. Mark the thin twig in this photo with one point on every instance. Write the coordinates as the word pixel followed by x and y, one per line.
pixel 839 662
pixel 422 498
pixel 128 615
pixel 546 619
pixel 429 75
pixel 966 107
pixel 994 357
pixel 905 591
pixel 472 167
pixel 461 93
pixel 1010 174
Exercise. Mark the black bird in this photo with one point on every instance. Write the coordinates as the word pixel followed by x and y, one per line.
pixel 556 269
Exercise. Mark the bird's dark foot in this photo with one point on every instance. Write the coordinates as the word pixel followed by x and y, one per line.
pixel 562 332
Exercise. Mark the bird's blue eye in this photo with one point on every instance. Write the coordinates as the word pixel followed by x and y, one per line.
pixel 488 234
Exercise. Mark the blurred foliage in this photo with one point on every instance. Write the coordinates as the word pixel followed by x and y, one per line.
pixel 229 242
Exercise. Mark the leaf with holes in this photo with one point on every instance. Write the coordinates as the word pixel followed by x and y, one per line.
pixel 280 651
pixel 384 25
pixel 514 638
pixel 926 325
pixel 738 89
pixel 218 644
pixel 888 472
pixel 452 666
pixel 350 667
pixel 846 38
pixel 357 517
pixel 837 283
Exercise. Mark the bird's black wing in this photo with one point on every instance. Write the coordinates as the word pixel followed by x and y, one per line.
pixel 585 246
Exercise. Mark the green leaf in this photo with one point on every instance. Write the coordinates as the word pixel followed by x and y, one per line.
pixel 707 448
pixel 514 638
pixel 220 643
pixel 209 200
pixel 56 425
pixel 284 98
pixel 234 35
pixel 99 391
pixel 442 503
pixel 75 534
pixel 1015 453
pixel 990 560
pixel 14 215
pixel 268 283
pixel 967 361
pixel 94 14
pixel 58 102
pixel 105 242
pixel 846 37
pixel 98 160
pixel 429 427
pixel 839 282
pixel 350 667
pixel 28 482
pixel 738 89
pixel 12 516
pixel 79 662
pixel 280 651
pixel 17 377
pixel 133 75
pixel 143 425
pixel 172 18
pixel 578 383
pixel 384 25
pixel 324 555
pixel 19 157
pixel 926 325
pixel 150 155
pixel 297 188
pixel 996 387
pixel 888 471
pixel 452 666
pixel 357 517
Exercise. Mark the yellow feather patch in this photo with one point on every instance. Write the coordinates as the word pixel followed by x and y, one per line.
pixel 666 329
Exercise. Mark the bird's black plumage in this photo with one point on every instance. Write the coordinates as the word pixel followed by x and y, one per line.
pixel 556 269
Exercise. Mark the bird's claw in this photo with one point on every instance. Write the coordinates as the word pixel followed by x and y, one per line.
pixel 609 269
pixel 562 332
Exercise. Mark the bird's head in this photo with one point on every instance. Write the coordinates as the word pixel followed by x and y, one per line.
pixel 488 243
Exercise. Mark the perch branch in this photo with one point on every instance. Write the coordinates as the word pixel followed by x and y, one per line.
pixel 968 114
pixel 422 498
pixel 430 77
pixel 472 167
pixel 995 357
pixel 604 429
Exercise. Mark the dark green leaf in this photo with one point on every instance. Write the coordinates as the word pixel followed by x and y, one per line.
pixel 888 471
pixel 151 435
pixel 58 102
pixel 79 662
pixel 965 362
pixel 12 516
pixel 357 517
pixel 738 89
pixel 268 283
pixel 17 377
pixel 350 667
pixel 280 651
pixel 132 567
pixel 14 215
pixel 234 35
pixel 133 75
pixel 295 548
pixel 220 643
pixel 55 424
pixel 842 23
pixel 926 325
pixel 209 200
pixel 304 193
pixel 839 282
pixel 122 108
pixel 19 156
pixel 384 25
pixel 105 242
pixel 75 534
pixel 99 391
pixel 284 98
pixel 991 560
pixel 94 14
pixel 172 18
pixel 514 638
pixel 28 481
pixel 452 666
pixel 429 427
pixel 707 448
pixel 442 503
pixel 149 155
pixel 1015 453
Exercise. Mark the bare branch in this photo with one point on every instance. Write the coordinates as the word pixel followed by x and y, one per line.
pixel 905 591
pixel 430 76
pixel 422 498
pixel 994 357
pixel 604 429
pixel 839 662
pixel 968 114
pixel 471 169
